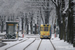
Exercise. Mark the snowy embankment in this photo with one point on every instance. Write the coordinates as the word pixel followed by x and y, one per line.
pixel 60 44
pixel 21 46
pixel 12 43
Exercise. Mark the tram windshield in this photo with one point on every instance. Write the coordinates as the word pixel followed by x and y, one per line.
pixel 45 28
pixel 10 29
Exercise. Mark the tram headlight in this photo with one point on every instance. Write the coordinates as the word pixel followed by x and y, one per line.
pixel 48 34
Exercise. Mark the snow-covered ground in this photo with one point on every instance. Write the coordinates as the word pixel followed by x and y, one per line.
pixel 34 45
pixel 21 46
pixel 45 44
pixel 60 44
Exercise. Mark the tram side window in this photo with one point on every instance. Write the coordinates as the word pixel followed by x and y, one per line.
pixel 42 29
pixel 45 28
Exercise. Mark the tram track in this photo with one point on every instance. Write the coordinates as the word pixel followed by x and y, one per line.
pixel 53 45
pixel 20 43
pixel 39 45
pixel 29 44
pixel 50 42
pixel 33 42
pixel 16 44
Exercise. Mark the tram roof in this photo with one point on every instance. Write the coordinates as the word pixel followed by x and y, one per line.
pixel 42 25
pixel 12 22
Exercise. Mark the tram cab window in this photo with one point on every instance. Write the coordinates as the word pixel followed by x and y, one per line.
pixel 45 28
pixel 10 29
pixel 42 29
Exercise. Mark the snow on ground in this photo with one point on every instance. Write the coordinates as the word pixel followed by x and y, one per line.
pixel 46 45
pixel 33 36
pixel 11 43
pixel 34 45
pixel 60 44
pixel 21 46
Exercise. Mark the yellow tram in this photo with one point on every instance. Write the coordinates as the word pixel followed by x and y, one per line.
pixel 12 29
pixel 45 31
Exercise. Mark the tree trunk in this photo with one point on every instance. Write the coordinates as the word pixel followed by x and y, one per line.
pixel 59 19
pixel 2 27
pixel 22 25
pixel 64 33
pixel 31 25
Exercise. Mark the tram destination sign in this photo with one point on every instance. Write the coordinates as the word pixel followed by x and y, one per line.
pixel 11 24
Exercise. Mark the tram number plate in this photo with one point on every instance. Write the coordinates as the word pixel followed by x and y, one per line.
pixel 45 36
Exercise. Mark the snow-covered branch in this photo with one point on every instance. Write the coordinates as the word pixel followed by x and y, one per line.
pixel 54 3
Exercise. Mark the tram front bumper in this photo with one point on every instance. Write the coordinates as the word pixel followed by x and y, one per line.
pixel 41 36
pixel 44 36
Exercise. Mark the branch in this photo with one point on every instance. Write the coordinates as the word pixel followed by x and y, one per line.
pixel 54 3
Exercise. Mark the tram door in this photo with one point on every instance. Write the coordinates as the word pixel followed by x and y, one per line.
pixel 11 30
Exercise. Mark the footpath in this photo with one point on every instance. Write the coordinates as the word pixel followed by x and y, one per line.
pixel 1 37
pixel 60 44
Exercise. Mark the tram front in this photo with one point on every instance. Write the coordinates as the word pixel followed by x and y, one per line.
pixel 11 30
